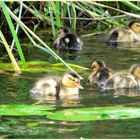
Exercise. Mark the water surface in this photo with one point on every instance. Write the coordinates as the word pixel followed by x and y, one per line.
pixel 15 90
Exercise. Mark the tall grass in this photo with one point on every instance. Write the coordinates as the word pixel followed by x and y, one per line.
pixel 11 26
pixel 48 49
pixel 56 14
pixel 11 56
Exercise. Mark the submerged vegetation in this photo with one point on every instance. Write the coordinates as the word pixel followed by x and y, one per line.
pixel 32 16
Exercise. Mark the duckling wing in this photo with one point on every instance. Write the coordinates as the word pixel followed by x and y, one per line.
pixel 120 80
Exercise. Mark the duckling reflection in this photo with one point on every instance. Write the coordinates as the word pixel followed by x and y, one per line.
pixel 67 40
pixel 130 33
pixel 63 100
pixel 69 84
pixel 124 79
pixel 100 72
pixel 127 92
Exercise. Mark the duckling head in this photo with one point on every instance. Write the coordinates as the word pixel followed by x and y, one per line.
pixel 71 80
pixel 135 26
pixel 135 70
pixel 63 31
pixel 97 65
pixel 100 72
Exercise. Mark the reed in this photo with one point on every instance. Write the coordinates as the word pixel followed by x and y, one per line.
pixel 11 26
pixel 11 56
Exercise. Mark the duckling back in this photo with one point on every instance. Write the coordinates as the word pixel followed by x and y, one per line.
pixel 123 34
pixel 120 80
pixel 68 41
pixel 101 76
pixel 47 86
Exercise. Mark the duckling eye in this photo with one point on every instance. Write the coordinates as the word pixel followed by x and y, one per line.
pixel 71 79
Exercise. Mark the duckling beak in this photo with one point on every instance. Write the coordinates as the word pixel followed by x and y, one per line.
pixel 79 86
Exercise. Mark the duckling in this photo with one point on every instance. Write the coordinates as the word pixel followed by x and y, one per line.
pixel 135 70
pixel 130 33
pixel 67 40
pixel 69 84
pixel 129 79
pixel 100 72
pixel 120 80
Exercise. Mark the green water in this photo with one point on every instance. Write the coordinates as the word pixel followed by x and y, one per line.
pixel 16 90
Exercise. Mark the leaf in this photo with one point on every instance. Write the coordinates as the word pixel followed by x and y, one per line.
pixel 98 113
pixel 24 109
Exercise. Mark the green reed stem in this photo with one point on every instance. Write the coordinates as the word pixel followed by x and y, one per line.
pixel 11 26
pixel 52 19
pixel 74 16
pixel 131 5
pixel 11 56
pixel 57 14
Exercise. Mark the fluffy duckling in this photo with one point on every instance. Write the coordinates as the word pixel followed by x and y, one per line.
pixel 69 84
pixel 130 33
pixel 100 72
pixel 135 70
pixel 124 79
pixel 120 80
pixel 67 41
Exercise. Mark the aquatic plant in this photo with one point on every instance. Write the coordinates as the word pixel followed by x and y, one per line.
pixel 24 110
pixel 96 113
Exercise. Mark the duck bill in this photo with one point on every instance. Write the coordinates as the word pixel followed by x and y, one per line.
pixel 79 86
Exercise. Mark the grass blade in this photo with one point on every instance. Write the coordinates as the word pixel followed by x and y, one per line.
pixel 131 5
pixel 57 14
pixel 74 16
pixel 11 26
pixel 11 56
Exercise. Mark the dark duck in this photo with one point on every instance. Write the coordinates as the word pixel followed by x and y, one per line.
pixel 129 33
pixel 67 40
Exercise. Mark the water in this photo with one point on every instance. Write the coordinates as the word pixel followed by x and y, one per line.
pixel 15 90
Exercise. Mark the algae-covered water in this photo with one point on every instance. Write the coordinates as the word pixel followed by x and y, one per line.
pixel 15 90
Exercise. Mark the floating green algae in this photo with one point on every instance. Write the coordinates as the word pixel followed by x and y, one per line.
pixel 97 113
pixel 24 110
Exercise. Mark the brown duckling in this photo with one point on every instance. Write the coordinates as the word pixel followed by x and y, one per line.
pixel 124 79
pixel 130 33
pixel 69 84
pixel 100 72
pixel 67 40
